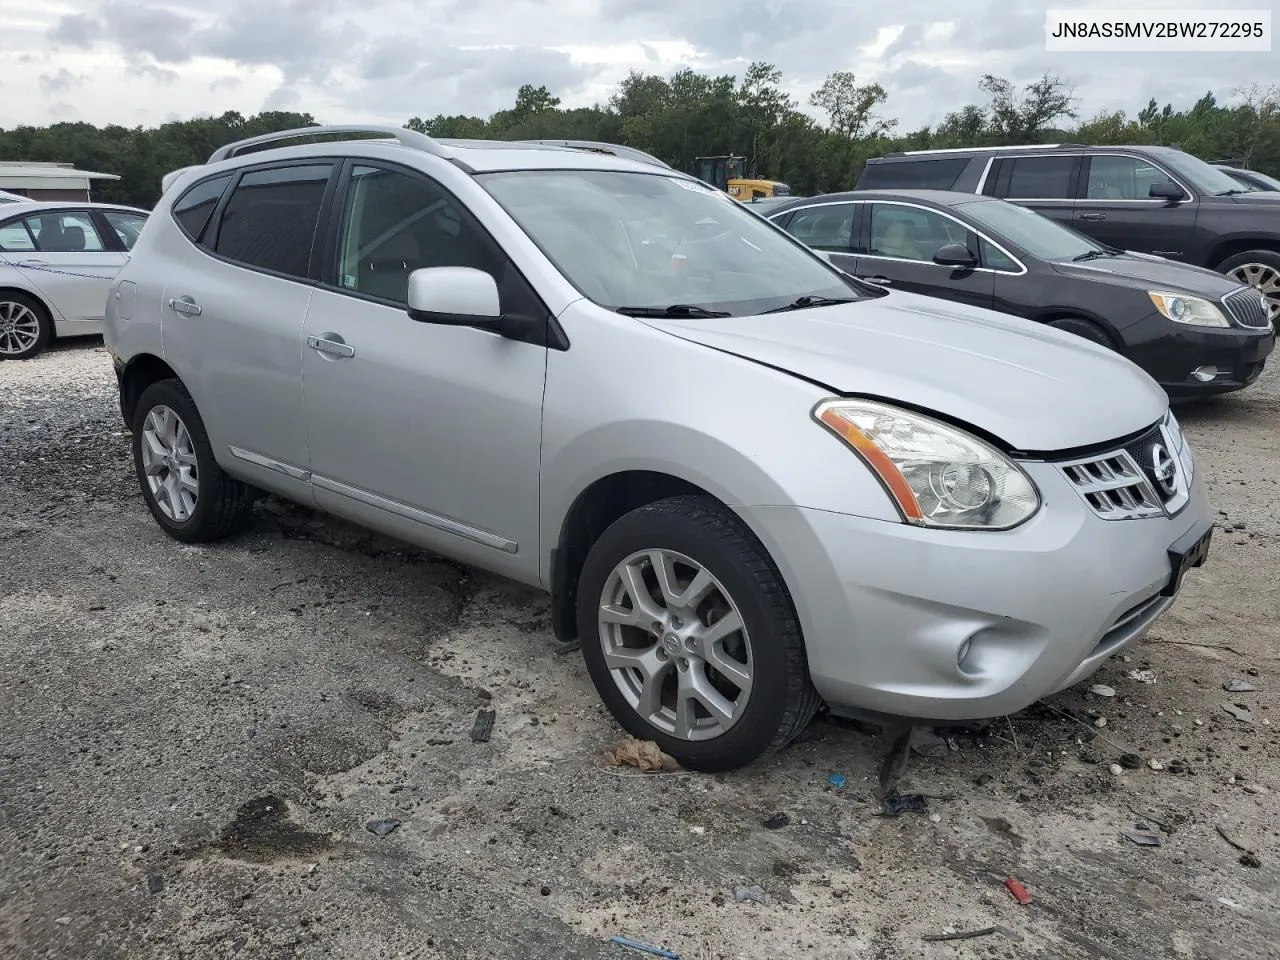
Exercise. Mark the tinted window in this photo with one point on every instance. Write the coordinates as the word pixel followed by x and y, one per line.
pixel 65 233
pixel 395 223
pixel 910 233
pixel 1122 178
pixel 14 236
pixel 994 258
pixel 1040 178
pixel 936 174
pixel 193 208
pixel 828 227
pixel 126 225
pixel 270 221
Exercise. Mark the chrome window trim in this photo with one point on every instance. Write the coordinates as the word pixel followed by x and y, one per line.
pixel 1189 195
pixel 986 172
pixel 1021 271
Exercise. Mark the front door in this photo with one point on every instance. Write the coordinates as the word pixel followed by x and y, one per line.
pixel 69 261
pixel 827 228
pixel 1116 208
pixel 429 432
pixel 901 241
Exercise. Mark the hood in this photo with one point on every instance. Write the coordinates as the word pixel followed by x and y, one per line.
pixel 1033 387
pixel 1145 272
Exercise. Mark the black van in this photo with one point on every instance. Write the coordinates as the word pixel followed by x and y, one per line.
pixel 1156 200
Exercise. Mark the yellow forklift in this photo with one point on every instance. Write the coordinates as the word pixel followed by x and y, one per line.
pixel 737 177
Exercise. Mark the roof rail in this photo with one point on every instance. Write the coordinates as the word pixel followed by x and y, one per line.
pixel 595 146
pixel 402 135
pixel 1025 146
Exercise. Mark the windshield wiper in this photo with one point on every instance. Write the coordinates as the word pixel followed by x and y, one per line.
pixel 800 303
pixel 1234 191
pixel 675 310
pixel 1095 254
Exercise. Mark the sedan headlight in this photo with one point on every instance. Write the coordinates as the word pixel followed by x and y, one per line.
pixel 937 476
pixel 1181 308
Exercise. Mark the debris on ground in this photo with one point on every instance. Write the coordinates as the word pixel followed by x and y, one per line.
pixel 959 935
pixel 1155 764
pixel 1142 676
pixel 1116 769
pixel 1143 836
pixel 776 822
pixel 643 947
pixel 1238 686
pixel 895 804
pixel 1239 711
pixel 482 728
pixel 381 828
pixel 1102 690
pixel 155 883
pixel 837 780
pixel 1100 722
pixel 643 755
pixel 1131 761
pixel 1247 857
pixel 752 894
pixel 1018 891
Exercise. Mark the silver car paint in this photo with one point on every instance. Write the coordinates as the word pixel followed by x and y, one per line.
pixel 477 447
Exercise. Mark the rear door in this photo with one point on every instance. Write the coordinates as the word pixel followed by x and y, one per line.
pixel 900 240
pixel 828 229
pixel 1116 207
pixel 70 261
pixel 1046 183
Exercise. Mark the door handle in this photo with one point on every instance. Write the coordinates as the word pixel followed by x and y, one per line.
pixel 879 281
pixel 1093 216
pixel 185 305
pixel 33 263
pixel 333 347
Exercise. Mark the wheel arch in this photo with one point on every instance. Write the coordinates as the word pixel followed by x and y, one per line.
pixel 1225 249
pixel 139 373
pixel 31 294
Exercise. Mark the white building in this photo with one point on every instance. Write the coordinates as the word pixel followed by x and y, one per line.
pixel 42 180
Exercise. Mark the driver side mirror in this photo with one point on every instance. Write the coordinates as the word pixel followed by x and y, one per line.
pixel 463 296
pixel 955 255
pixel 1165 191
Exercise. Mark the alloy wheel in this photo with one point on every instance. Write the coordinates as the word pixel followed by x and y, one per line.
pixel 676 644
pixel 19 328
pixel 169 462
pixel 1266 280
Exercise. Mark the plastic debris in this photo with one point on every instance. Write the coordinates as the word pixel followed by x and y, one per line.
pixel 482 729
pixel 776 822
pixel 1239 711
pixel 960 935
pixel 1131 761
pixel 1239 686
pixel 380 828
pixel 1142 676
pixel 752 894
pixel 1018 891
pixel 837 780
pixel 895 804
pixel 155 883
pixel 1143 838
pixel 643 947
pixel 643 755
pixel 1102 690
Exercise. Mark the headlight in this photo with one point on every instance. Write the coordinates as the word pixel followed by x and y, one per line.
pixel 1180 445
pixel 1180 308
pixel 937 475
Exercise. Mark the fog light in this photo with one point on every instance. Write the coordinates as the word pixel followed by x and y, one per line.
pixel 1206 373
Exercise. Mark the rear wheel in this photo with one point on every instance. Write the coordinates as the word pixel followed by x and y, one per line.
pixel 1085 329
pixel 189 495
pixel 1259 269
pixel 25 326
pixel 690 636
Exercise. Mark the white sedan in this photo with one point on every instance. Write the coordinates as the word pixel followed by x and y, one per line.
pixel 57 261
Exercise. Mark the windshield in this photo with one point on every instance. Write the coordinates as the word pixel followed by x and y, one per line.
pixel 1245 177
pixel 1036 235
pixel 1204 177
pixel 640 240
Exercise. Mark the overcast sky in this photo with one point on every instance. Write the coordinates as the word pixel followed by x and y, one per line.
pixel 146 61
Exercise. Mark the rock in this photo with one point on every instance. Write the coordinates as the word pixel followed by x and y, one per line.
pixel 62 921
pixel 776 822
pixel 380 828
pixel 1100 722
pixel 155 883
pixel 1239 711
pixel 1131 761
pixel 1116 769
pixel 1250 860
pixel 983 779
pixel 1155 764
pixel 1143 676
pixel 1238 686
pixel 1102 690
pixel 545 891
pixel 754 894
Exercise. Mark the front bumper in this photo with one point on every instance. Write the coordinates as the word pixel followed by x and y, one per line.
pixel 1170 351
pixel 886 608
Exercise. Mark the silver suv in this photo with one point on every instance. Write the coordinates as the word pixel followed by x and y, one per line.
pixel 751 484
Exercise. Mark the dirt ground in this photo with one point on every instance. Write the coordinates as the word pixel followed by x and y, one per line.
pixel 192 741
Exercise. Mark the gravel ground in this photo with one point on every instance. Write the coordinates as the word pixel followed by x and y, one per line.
pixel 194 739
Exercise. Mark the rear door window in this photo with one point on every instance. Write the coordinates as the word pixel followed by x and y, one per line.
pixel 938 173
pixel 14 237
pixel 269 223
pixel 1040 178
pixel 912 233
pixel 828 227
pixel 63 232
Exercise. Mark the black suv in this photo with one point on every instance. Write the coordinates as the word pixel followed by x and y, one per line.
pixel 1157 200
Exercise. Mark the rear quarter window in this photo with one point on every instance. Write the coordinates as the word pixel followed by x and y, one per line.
pixel 193 209
pixel 939 173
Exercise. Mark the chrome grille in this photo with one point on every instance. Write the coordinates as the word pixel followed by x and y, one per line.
pixel 1147 477
pixel 1247 307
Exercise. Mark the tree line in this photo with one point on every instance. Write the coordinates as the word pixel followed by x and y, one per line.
pixel 689 114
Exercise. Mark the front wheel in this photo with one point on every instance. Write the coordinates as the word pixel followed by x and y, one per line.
pixel 1259 269
pixel 189 495
pixel 690 636
pixel 1085 329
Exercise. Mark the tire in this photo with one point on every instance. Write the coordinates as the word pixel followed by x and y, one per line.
pixel 1259 269
pixel 219 503
pixel 698 531
pixel 1085 329
pixel 25 326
